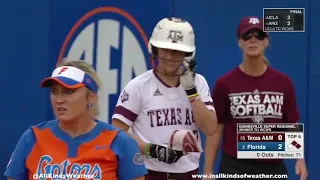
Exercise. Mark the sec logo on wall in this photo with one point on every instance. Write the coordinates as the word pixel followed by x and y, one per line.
pixel 114 43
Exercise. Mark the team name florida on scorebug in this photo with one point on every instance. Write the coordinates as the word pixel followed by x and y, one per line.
pixel 62 176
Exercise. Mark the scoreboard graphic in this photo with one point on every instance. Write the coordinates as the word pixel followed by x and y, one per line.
pixel 283 19
pixel 270 141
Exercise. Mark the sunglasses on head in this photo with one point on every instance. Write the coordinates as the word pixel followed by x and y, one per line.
pixel 260 35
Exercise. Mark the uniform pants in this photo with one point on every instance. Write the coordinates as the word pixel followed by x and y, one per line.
pixel 231 165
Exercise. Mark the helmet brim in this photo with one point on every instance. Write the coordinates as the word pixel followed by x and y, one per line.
pixel 172 46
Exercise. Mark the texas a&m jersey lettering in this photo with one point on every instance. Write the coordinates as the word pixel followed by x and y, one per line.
pixel 170 116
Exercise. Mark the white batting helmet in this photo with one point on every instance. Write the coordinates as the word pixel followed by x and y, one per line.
pixel 173 33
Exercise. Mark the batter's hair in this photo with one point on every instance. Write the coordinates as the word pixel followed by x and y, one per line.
pixel 81 64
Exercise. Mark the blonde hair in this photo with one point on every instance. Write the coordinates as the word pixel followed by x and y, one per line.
pixel 80 64
pixel 266 61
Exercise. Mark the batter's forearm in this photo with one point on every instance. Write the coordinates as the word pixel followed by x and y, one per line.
pixel 206 119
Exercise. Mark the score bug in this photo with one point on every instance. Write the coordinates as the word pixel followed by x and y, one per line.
pixel 283 141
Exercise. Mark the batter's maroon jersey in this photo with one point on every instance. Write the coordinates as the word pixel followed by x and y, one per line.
pixel 240 98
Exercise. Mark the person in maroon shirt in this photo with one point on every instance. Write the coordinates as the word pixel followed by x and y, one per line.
pixel 240 96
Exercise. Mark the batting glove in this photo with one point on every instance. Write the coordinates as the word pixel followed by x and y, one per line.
pixel 165 154
pixel 187 78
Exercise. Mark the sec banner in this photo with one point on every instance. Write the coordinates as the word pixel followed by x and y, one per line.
pixel 111 40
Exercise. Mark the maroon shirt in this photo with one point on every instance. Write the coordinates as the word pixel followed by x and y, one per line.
pixel 238 96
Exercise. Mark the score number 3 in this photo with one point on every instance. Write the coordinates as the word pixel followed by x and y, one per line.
pixel 288 18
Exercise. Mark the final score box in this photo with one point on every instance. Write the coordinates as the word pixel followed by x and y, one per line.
pixel 283 19
pixel 270 141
